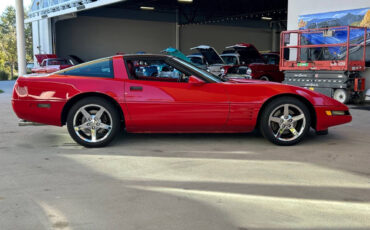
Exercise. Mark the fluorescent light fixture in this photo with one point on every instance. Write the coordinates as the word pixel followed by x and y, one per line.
pixel 146 7
pixel 185 1
pixel 266 18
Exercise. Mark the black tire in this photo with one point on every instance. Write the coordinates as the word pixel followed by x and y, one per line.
pixel 322 132
pixel 265 78
pixel 274 107
pixel 110 114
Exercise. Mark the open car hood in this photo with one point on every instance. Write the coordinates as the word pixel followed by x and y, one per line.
pixel 210 54
pixel 248 53
pixel 41 57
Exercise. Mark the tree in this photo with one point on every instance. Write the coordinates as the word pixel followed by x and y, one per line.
pixel 8 42
pixel 29 41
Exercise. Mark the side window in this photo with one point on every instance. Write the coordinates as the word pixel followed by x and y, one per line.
pixel 271 59
pixel 274 59
pixel 99 68
pixel 154 70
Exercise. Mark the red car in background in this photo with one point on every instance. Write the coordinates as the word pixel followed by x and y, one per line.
pixel 99 98
pixel 49 63
pixel 244 54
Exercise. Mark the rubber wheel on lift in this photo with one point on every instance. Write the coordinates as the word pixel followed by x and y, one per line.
pixel 341 95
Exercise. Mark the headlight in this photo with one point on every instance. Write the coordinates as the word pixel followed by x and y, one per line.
pixel 249 71
pixel 223 71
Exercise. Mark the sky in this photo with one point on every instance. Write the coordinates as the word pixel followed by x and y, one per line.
pixel 5 3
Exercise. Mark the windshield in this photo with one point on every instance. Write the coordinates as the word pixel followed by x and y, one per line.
pixel 209 75
pixel 230 60
pixel 57 62
pixel 196 60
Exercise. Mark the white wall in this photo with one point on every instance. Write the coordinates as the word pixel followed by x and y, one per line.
pixel 42 39
pixel 302 7
pixel 94 37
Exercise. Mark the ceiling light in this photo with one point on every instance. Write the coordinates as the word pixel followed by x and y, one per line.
pixel 146 7
pixel 185 1
pixel 266 18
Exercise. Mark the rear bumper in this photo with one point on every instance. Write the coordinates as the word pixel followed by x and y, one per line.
pixel 324 121
pixel 44 112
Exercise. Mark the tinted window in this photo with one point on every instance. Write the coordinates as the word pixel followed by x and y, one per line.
pixel 271 59
pixel 99 68
pixel 57 62
pixel 154 70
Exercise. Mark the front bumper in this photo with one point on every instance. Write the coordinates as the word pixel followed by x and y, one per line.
pixel 324 121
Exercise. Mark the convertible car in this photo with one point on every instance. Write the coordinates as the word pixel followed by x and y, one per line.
pixel 97 99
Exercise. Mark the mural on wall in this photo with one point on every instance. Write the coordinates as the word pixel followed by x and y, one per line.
pixel 356 17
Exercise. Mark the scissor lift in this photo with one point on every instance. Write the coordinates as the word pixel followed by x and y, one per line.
pixel 330 60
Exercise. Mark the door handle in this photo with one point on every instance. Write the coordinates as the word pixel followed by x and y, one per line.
pixel 136 88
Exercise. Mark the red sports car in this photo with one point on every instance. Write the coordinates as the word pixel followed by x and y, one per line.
pixel 97 99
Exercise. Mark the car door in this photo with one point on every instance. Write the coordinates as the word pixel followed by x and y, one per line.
pixel 273 61
pixel 165 104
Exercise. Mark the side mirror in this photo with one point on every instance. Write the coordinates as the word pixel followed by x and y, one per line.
pixel 195 81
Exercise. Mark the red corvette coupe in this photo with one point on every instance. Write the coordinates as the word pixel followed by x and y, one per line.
pixel 98 98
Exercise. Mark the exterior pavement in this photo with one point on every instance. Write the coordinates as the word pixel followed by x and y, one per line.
pixel 189 182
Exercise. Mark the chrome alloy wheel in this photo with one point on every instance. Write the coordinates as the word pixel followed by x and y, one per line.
pixel 92 123
pixel 287 122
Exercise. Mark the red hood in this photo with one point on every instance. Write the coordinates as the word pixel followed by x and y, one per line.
pixel 41 57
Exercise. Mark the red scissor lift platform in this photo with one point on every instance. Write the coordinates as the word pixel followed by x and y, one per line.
pixel 327 60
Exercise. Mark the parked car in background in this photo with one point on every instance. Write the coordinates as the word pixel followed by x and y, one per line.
pixel 49 63
pixel 198 60
pixel 244 54
pixel 97 99
pixel 212 59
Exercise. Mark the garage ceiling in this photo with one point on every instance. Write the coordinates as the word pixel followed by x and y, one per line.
pixel 205 11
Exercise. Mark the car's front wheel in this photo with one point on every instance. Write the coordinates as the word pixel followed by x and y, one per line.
pixel 93 122
pixel 285 121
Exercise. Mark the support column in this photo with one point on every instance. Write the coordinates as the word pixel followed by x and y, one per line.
pixel 177 30
pixel 21 43
pixel 275 37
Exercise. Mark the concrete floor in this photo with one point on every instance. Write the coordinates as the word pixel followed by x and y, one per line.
pixel 190 182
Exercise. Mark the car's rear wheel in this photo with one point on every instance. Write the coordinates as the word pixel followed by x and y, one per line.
pixel 93 122
pixel 285 121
